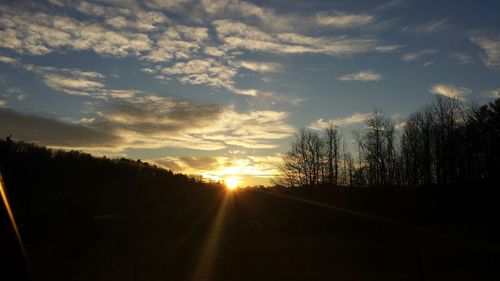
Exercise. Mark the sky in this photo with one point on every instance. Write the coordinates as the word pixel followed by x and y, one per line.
pixel 218 88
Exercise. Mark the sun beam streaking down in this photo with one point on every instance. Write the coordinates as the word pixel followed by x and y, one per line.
pixel 203 271
pixel 232 183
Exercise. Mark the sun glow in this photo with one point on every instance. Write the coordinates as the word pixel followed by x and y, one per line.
pixel 232 182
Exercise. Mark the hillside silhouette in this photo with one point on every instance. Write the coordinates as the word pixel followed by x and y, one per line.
pixel 61 199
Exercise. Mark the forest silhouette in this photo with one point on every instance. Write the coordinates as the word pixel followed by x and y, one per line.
pixel 446 143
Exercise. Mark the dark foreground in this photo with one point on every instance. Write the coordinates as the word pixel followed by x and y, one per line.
pixel 210 234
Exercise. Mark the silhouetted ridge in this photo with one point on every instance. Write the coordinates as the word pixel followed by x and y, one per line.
pixel 54 192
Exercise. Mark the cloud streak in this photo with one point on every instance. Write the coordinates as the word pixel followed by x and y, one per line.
pixel 408 57
pixel 450 91
pixel 344 20
pixel 495 93
pixel 490 44
pixel 432 26
pixel 364 76
pixel 339 122
pixel 52 132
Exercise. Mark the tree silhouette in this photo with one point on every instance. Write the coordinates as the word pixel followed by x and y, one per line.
pixel 445 143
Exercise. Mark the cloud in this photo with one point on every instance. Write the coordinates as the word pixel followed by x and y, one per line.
pixel 495 93
pixel 117 22
pixel 167 163
pixel 77 82
pixel 209 72
pixel 191 164
pixel 491 49
pixel 202 163
pixel 166 4
pixel 400 125
pixel 245 10
pixel 346 121
pixel 52 132
pixel 450 91
pixel 203 71
pixel 214 52
pixel 388 48
pixel 119 15
pixel 40 33
pixel 461 58
pixel 416 55
pixel 237 35
pixel 126 28
pixel 262 67
pixel 432 26
pixel 143 120
pixel 343 20
pixel 179 42
pixel 71 81
pixel 149 121
pixel 250 169
pixel 365 75
pixel 8 60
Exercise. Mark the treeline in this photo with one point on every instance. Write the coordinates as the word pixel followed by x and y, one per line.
pixel 67 190
pixel 446 143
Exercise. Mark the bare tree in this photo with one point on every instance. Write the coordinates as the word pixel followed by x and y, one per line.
pixel 376 144
pixel 332 155
pixel 302 164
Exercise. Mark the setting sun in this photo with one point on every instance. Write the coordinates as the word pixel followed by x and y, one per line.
pixel 232 182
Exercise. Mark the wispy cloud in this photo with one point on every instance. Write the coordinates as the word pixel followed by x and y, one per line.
pixel 237 35
pixel 462 58
pixel 365 76
pixel 432 26
pixel 491 48
pixel 495 93
pixel 416 55
pixel 340 122
pixel 8 60
pixel 450 91
pixel 70 80
pixel 344 20
pixel 388 48
pixel 261 67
